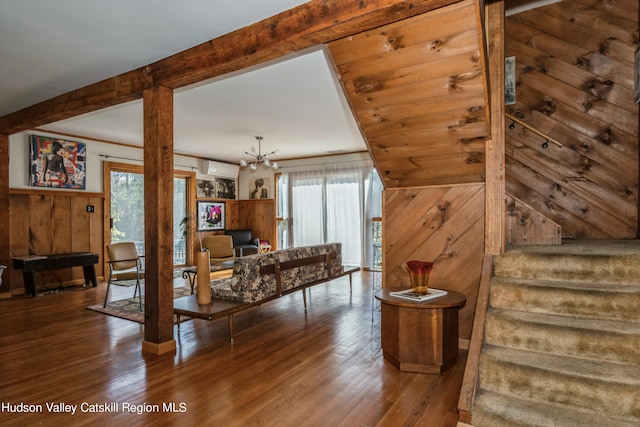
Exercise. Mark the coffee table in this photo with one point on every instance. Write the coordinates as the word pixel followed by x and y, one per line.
pixel 190 273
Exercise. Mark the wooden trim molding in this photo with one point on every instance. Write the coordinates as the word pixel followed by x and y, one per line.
pixel 159 348
pixel 39 191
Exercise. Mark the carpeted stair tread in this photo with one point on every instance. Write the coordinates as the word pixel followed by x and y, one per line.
pixel 561 266
pixel 497 410
pixel 598 301
pixel 623 374
pixel 610 390
pixel 609 326
pixel 606 340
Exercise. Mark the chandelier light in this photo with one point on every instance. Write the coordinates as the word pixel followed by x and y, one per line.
pixel 258 157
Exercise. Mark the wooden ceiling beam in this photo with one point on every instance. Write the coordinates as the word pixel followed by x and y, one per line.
pixel 113 91
pixel 305 26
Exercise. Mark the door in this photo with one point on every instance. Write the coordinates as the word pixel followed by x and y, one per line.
pixel 125 206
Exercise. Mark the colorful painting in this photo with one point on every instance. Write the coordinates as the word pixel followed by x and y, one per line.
pixel 57 163
pixel 210 216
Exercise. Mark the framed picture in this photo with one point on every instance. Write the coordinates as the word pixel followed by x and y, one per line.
pixel 259 188
pixel 57 163
pixel 225 188
pixel 205 189
pixel 210 216
pixel 510 80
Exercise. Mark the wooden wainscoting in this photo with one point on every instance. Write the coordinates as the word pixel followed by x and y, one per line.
pixel 54 222
pixel 444 225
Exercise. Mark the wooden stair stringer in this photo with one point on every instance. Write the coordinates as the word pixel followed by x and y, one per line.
pixel 527 226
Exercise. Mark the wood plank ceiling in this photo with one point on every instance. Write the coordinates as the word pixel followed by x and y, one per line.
pixel 418 89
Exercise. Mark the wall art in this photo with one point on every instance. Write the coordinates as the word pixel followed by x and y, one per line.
pixel 57 163
pixel 211 216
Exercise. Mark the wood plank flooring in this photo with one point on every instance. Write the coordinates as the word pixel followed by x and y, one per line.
pixel 286 368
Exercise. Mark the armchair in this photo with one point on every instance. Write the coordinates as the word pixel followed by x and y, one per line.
pixel 220 248
pixel 244 243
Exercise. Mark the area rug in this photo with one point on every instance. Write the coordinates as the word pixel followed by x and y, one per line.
pixel 130 310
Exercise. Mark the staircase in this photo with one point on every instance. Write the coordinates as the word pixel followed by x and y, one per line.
pixel 562 337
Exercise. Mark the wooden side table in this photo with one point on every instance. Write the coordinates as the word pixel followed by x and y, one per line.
pixel 263 249
pixel 420 336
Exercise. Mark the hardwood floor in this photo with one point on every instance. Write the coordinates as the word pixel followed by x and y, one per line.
pixel 286 368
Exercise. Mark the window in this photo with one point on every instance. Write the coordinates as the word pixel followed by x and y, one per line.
pixel 329 203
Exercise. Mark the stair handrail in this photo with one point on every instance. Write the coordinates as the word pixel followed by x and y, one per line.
pixel 470 378
pixel 532 129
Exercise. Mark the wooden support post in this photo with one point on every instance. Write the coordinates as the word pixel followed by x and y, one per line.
pixel 158 198
pixel 495 147
pixel 4 212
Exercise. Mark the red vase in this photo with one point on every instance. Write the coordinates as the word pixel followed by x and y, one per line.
pixel 419 274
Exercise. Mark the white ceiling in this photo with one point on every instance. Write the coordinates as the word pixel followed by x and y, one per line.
pixel 52 47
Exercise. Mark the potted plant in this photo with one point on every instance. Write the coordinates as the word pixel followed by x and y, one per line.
pixel 203 261
pixel 187 228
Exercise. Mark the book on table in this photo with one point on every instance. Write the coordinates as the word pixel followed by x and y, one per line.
pixel 419 296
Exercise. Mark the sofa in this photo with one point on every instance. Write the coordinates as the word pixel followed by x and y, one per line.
pixel 255 278
pixel 244 243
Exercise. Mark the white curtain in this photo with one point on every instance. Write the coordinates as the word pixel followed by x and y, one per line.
pixel 373 209
pixel 327 203
pixel 307 208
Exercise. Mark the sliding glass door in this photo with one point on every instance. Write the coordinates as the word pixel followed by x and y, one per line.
pixel 330 203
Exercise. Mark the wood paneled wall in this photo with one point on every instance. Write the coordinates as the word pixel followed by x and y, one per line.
pixel 526 226
pixel 258 215
pixel 54 222
pixel 444 225
pixel 574 83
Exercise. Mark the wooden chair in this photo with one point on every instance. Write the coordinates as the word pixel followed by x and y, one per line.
pixel 125 264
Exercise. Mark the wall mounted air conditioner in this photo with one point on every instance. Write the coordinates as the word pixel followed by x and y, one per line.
pixel 210 167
